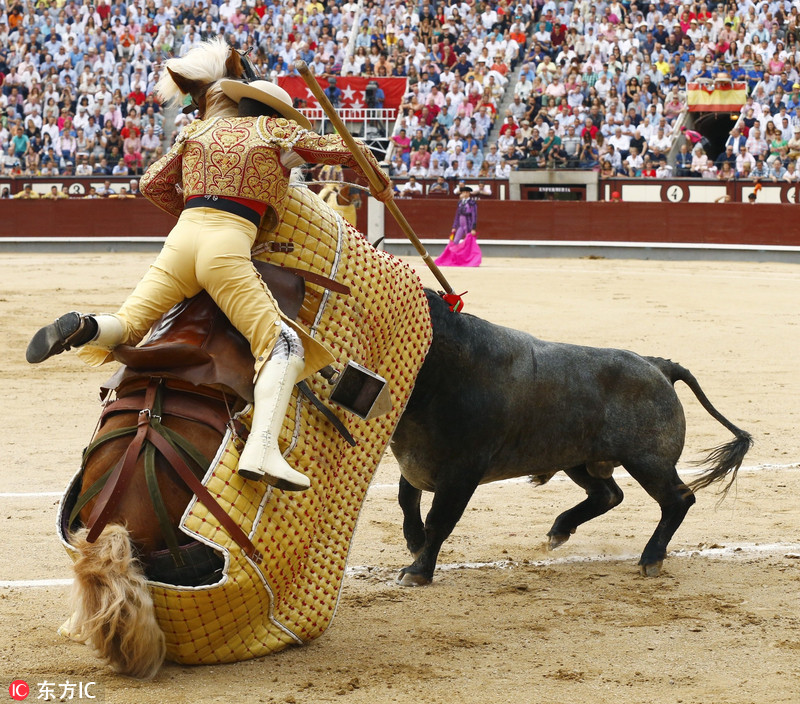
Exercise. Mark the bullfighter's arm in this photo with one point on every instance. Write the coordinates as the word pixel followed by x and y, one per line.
pixel 455 219
pixel 332 149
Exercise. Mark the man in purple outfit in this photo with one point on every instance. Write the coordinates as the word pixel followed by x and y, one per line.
pixel 466 215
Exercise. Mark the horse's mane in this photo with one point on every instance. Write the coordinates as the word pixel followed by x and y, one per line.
pixel 205 63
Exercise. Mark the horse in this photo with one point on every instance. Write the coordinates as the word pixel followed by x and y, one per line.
pixel 493 403
pixel 161 529
pixel 175 399
pixel 341 196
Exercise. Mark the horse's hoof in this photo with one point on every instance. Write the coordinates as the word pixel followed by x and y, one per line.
pixel 653 570
pixel 409 579
pixel 557 540
pixel 68 628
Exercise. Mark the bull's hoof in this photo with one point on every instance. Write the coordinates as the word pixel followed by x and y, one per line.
pixel 410 579
pixel 653 570
pixel 557 540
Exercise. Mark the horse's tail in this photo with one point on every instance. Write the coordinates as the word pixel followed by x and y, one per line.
pixel 113 609
pixel 724 459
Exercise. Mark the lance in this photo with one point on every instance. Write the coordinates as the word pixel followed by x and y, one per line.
pixel 302 68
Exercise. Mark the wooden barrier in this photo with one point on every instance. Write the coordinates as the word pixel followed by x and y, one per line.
pixel 79 217
pixel 729 223
pixel 700 223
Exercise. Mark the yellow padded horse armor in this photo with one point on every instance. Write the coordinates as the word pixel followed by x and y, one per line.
pixel 291 597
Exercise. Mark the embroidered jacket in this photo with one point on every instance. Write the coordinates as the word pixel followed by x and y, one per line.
pixel 241 157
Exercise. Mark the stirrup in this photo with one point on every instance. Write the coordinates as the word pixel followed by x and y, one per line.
pixel 70 330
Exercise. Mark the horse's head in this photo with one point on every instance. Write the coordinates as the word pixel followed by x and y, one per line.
pixel 197 74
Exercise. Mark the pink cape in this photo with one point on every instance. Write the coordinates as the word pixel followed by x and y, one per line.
pixel 465 253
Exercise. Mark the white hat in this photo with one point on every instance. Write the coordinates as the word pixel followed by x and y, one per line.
pixel 264 92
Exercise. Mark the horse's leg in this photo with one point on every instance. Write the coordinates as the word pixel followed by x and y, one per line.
pixel 660 480
pixel 449 501
pixel 113 610
pixel 603 494
pixel 413 529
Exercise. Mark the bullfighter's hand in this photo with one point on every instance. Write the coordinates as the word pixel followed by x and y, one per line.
pixel 386 194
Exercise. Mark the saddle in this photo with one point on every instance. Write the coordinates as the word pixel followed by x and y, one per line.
pixel 195 341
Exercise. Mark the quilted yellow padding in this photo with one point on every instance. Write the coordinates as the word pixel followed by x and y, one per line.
pixel 291 597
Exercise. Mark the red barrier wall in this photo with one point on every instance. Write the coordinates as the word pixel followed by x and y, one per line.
pixel 97 217
pixel 723 223
pixel 730 223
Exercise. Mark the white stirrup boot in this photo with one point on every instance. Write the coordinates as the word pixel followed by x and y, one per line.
pixel 261 457
pixel 74 330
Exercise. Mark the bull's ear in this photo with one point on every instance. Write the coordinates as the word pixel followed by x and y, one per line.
pixel 233 65
pixel 187 86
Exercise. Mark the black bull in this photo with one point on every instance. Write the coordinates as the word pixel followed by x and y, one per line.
pixel 493 403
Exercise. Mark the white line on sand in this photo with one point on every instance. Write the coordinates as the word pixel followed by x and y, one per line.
pixel 791 550
pixel 29 494
pixel 27 583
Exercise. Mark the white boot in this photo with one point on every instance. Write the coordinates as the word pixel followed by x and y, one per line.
pixel 261 457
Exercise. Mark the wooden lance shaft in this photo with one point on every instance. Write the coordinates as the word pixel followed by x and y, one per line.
pixel 369 172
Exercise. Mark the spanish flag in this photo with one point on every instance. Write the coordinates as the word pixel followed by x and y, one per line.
pixel 719 95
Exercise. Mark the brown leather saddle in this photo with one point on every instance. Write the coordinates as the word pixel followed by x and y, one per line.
pixel 195 341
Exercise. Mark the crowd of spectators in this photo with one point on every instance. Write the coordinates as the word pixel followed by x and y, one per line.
pixel 597 85
pixel 603 86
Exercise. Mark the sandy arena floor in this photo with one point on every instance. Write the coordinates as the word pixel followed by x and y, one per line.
pixel 504 620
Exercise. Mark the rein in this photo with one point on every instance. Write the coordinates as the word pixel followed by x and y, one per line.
pixel 151 436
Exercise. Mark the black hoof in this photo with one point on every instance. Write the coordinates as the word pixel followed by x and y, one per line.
pixel 53 339
pixel 412 579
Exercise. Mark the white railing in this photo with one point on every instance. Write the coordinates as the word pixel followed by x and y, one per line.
pixel 375 126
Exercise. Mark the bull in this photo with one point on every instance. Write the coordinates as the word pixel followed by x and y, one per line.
pixel 492 403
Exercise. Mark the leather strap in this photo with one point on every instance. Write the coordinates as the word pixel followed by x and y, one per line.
pixel 118 482
pixel 120 477
pixel 319 280
pixel 179 465
pixel 273 247
pixel 178 406
pixel 327 412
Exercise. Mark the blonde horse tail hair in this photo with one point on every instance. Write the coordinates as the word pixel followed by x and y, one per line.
pixel 113 609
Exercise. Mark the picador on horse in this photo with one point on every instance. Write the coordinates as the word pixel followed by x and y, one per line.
pixel 169 455
pixel 233 171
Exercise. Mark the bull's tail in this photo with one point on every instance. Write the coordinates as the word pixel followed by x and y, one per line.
pixel 113 609
pixel 724 459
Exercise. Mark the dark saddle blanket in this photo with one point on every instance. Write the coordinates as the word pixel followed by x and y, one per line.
pixel 195 341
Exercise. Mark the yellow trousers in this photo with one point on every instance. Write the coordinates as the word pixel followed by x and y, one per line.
pixel 210 249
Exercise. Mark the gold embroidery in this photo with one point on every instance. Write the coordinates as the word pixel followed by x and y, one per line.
pixel 239 157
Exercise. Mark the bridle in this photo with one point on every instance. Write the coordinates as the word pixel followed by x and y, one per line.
pixel 150 436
